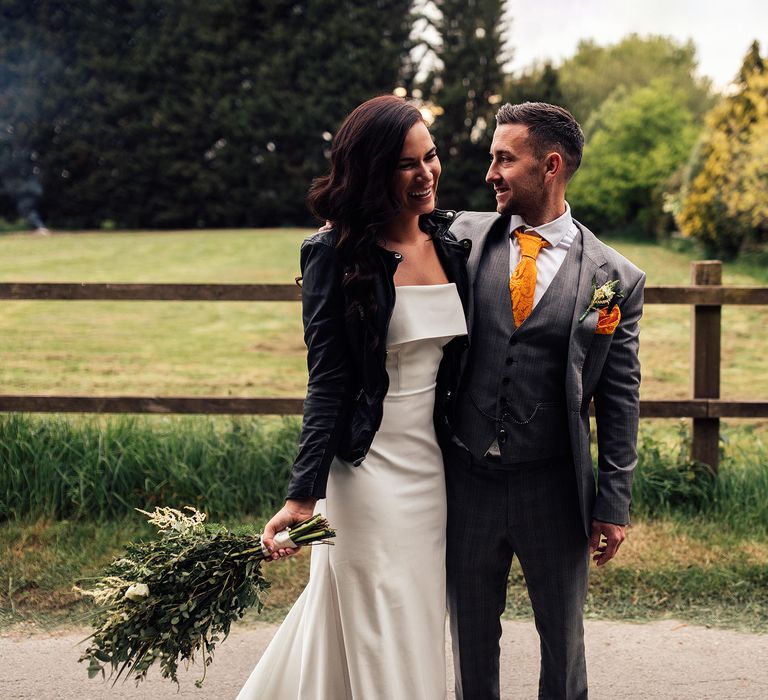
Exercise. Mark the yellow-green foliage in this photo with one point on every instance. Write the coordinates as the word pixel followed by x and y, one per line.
pixel 634 141
pixel 724 201
pixel 589 77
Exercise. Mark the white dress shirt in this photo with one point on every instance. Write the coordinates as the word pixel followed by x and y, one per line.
pixel 559 234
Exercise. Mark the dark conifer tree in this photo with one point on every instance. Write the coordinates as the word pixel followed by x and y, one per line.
pixel 465 86
pixel 179 113
pixel 540 84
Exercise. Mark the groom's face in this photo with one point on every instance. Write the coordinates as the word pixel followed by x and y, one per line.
pixel 516 174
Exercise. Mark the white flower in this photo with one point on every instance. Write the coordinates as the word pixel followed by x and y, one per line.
pixel 602 296
pixel 137 591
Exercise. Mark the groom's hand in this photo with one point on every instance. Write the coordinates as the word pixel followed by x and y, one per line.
pixel 294 511
pixel 605 541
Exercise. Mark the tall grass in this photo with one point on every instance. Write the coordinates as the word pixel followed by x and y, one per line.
pixel 59 468
pixel 669 484
pixel 56 468
pixel 698 549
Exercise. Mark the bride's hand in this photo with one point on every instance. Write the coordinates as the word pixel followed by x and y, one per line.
pixel 294 511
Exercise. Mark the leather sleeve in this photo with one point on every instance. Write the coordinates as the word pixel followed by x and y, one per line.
pixel 617 413
pixel 326 405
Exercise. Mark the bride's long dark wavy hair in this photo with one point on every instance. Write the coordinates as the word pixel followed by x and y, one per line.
pixel 357 195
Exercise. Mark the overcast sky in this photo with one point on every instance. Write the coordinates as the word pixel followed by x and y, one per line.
pixel 722 30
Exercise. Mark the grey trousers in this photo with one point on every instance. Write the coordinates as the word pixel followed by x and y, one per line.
pixel 530 511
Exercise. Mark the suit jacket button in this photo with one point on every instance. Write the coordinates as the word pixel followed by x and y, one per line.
pixel 509 360
pixel 505 381
pixel 502 436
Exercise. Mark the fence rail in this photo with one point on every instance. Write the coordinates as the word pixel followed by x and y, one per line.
pixel 91 291
pixel 706 295
pixel 29 403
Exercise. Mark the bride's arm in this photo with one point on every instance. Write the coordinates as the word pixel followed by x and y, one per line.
pixel 326 405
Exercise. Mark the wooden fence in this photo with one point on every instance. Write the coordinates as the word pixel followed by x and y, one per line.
pixel 705 295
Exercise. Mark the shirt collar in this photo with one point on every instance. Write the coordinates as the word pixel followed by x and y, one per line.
pixel 552 232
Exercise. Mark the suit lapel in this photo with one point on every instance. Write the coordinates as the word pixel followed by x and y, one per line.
pixel 582 334
pixel 495 276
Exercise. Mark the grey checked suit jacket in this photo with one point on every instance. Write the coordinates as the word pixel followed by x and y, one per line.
pixel 605 368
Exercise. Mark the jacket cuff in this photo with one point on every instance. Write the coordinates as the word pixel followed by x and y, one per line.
pixel 299 491
pixel 607 514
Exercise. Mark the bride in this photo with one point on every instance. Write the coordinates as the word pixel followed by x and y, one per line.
pixel 383 298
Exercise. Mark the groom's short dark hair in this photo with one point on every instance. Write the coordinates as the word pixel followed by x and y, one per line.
pixel 549 128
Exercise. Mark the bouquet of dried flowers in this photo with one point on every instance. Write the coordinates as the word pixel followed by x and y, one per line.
pixel 167 599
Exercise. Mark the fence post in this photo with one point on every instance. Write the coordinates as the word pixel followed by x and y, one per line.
pixel 705 363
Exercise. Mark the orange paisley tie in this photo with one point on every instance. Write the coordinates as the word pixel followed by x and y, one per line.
pixel 522 284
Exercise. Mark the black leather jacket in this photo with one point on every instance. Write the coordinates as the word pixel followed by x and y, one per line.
pixel 347 379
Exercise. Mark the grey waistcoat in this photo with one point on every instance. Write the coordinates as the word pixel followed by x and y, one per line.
pixel 513 391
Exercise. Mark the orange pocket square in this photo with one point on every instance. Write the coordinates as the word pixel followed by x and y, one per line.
pixel 607 321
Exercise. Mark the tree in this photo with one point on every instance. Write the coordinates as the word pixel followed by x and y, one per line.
pixel 594 72
pixel 465 88
pixel 724 199
pixel 541 83
pixel 178 113
pixel 314 66
pixel 635 141
pixel 28 71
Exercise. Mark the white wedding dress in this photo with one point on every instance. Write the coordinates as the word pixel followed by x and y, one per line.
pixel 370 625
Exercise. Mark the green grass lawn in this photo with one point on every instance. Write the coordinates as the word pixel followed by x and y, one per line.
pixel 256 349
pixel 693 568
pixel 153 348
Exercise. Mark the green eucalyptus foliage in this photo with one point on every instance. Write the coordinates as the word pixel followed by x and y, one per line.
pixel 167 599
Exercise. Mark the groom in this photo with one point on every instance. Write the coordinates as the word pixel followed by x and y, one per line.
pixel 544 343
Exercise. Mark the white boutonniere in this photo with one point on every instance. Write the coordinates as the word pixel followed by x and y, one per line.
pixel 602 297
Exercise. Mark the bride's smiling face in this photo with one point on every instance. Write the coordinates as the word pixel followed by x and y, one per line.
pixel 418 170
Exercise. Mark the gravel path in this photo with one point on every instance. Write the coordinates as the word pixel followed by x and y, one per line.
pixel 666 659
